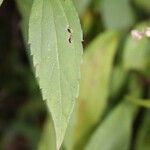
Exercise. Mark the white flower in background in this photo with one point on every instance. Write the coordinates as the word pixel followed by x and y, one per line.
pixel 147 32
pixel 137 35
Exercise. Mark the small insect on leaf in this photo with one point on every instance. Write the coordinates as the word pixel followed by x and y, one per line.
pixel 69 30
pixel 70 34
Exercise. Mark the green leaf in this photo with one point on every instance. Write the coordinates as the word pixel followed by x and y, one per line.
pixel 1 2
pixel 141 102
pixel 81 5
pixel 94 86
pixel 143 136
pixel 115 131
pixel 118 80
pixel 117 14
pixel 144 4
pixel 24 7
pixel 69 137
pixel 25 10
pixel 55 41
pixel 47 141
pixel 137 53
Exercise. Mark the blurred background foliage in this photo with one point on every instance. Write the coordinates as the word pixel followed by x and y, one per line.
pixel 112 111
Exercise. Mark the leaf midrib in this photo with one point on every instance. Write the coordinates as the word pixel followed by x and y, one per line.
pixel 56 39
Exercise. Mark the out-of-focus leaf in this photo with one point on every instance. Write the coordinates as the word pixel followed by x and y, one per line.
pixel 55 40
pixel 118 80
pixel 81 5
pixel 134 88
pixel 141 102
pixel 96 5
pixel 94 85
pixel 47 141
pixel 69 137
pixel 25 9
pixel 143 137
pixel 87 22
pixel 117 14
pixel 27 110
pixel 115 131
pixel 144 4
pixel 137 53
pixel 1 2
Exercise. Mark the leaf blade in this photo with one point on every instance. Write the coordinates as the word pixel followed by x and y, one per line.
pixel 56 59
pixel 95 75
pixel 1 1
pixel 25 10
pixel 139 50
pixel 110 135
pixel 47 141
pixel 114 20
pixel 143 136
